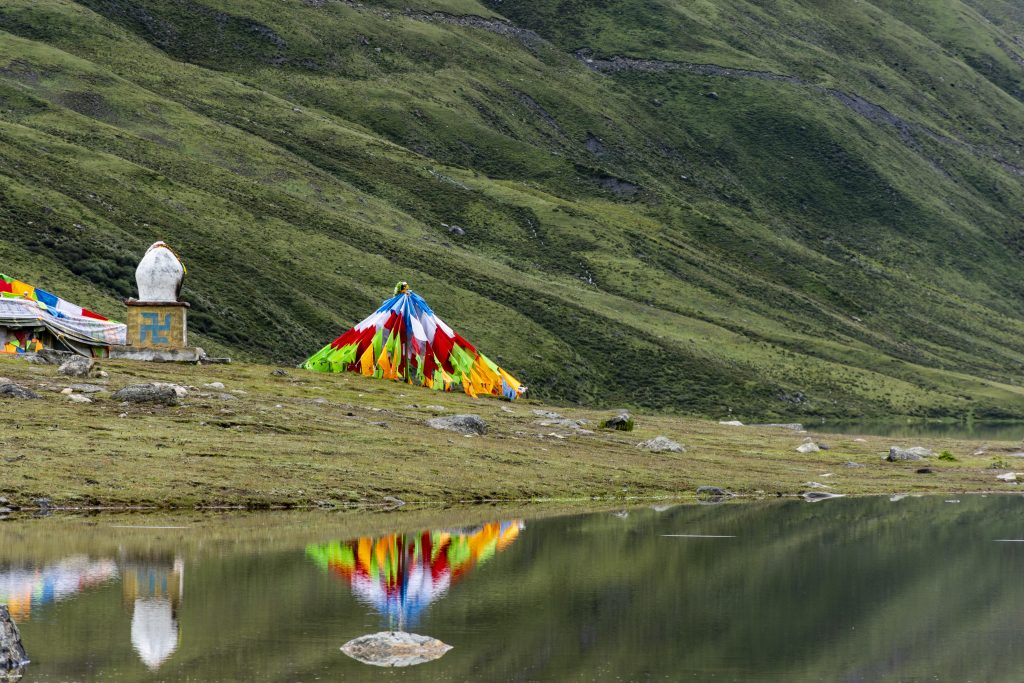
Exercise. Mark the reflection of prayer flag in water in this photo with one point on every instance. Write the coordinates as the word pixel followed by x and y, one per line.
pixel 401 574
pixel 25 589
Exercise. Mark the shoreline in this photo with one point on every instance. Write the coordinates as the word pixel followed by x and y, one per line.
pixel 257 437
pixel 568 506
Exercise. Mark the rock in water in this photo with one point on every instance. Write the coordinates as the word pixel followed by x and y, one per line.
pixel 816 496
pixel 148 393
pixel 12 654
pixel 915 453
pixel 395 648
pixel 463 424
pixel 660 444
pixel 159 274
pixel 76 366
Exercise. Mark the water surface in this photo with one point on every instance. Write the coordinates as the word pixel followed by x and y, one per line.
pixel 843 590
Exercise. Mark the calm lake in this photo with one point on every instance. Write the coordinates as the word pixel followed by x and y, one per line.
pixel 842 590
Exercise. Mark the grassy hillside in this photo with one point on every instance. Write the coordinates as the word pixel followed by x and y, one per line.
pixel 706 207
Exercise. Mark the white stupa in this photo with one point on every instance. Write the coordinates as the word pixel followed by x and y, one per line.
pixel 159 275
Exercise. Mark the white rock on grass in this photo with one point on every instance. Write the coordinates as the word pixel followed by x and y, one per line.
pixel 661 444
pixel 79 398
pixel 214 385
pixel 915 453
pixel 179 391
pixel 731 423
pixel 86 388
pixel 809 447
pixel 1009 476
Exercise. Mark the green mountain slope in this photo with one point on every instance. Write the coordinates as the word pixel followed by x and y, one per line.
pixel 708 207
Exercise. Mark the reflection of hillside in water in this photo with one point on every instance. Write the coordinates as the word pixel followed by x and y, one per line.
pixel 24 589
pixel 401 574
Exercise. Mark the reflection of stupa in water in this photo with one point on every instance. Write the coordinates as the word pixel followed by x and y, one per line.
pixel 400 574
pixel 154 588
pixel 23 589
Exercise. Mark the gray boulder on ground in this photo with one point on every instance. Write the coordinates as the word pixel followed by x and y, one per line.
pixel 86 388
pixel 463 424
pixel 562 422
pixel 12 390
pixel 661 444
pixel 12 653
pixel 52 357
pixel 622 422
pixel 164 394
pixel 853 465
pixel 395 648
pixel 76 366
pixel 713 495
pixel 915 453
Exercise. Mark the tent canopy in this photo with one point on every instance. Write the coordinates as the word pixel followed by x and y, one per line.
pixel 28 314
pixel 404 340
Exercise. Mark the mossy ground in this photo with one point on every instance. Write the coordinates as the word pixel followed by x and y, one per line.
pixel 306 439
